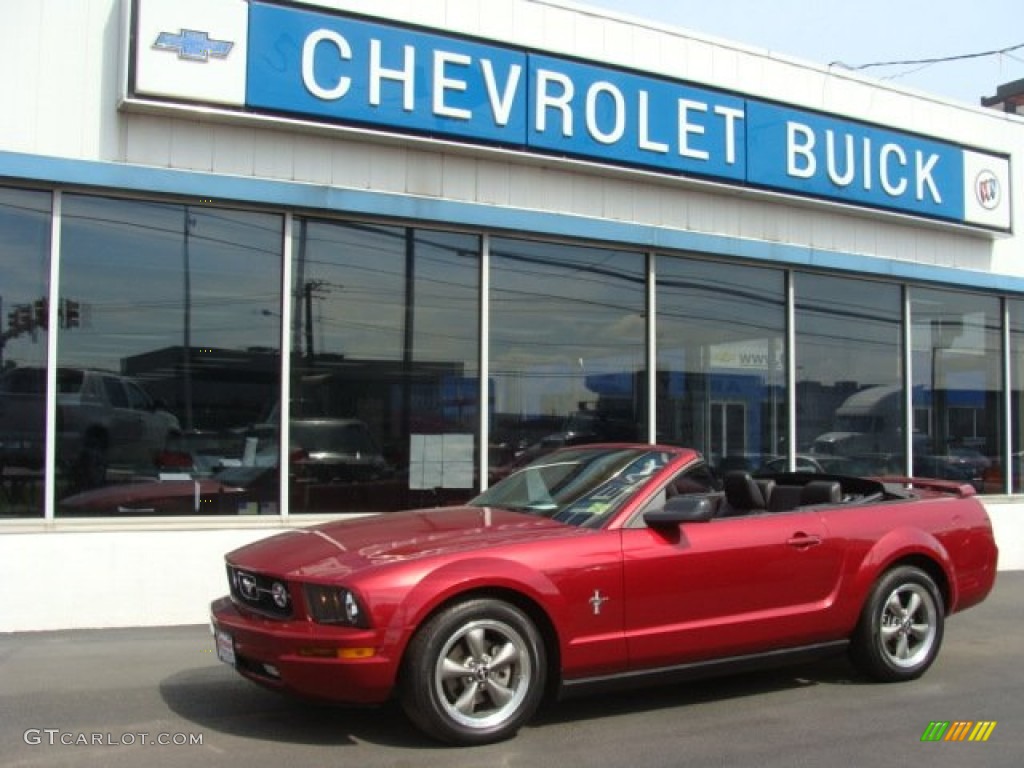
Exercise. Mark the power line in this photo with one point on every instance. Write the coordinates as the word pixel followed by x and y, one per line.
pixel 939 60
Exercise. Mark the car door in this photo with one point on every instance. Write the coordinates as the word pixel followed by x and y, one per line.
pixel 728 586
pixel 152 426
pixel 125 425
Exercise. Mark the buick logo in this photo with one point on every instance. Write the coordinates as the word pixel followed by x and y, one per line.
pixel 987 190
pixel 247 586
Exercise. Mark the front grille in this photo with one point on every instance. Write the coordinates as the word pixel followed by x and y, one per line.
pixel 257 591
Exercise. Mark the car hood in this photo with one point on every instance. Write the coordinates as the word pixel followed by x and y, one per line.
pixel 837 437
pixel 337 549
pixel 135 493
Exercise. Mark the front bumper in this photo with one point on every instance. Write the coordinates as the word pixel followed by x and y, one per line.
pixel 336 664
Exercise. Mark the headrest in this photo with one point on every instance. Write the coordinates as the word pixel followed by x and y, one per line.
pixel 821 492
pixel 742 491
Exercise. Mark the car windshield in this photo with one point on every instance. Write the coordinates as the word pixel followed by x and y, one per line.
pixel 32 381
pixel 582 486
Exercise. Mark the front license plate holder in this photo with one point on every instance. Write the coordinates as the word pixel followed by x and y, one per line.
pixel 225 647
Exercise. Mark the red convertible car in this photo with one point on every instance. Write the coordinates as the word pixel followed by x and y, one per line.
pixel 598 565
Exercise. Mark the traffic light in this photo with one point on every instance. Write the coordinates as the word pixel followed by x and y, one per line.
pixel 41 313
pixel 23 318
pixel 72 314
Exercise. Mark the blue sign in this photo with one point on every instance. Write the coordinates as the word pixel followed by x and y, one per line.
pixel 607 115
pixel 339 69
pixel 827 157
pixel 331 68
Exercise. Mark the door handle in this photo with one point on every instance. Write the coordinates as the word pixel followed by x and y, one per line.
pixel 803 540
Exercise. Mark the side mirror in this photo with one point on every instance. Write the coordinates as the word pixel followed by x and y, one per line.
pixel 681 509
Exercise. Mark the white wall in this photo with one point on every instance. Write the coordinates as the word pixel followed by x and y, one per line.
pixel 72 67
pixel 73 579
pixel 69 579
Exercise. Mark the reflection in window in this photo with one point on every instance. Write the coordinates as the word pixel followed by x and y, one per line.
pixel 24 280
pixel 566 348
pixel 998 473
pixel 169 354
pixel 850 404
pixel 385 369
pixel 721 378
pixel 957 369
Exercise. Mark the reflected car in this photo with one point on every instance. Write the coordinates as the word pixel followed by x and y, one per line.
pixel 994 478
pixel 827 464
pixel 103 420
pixel 334 466
pixel 954 465
pixel 600 565
pixel 231 491
pixel 329 450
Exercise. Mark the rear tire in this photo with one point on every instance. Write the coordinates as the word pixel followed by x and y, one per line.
pixel 474 673
pixel 901 626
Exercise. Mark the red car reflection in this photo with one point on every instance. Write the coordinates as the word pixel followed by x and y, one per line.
pixel 232 491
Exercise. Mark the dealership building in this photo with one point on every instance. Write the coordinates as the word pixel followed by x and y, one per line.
pixel 268 263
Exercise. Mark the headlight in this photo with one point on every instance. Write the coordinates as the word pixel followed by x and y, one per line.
pixel 334 605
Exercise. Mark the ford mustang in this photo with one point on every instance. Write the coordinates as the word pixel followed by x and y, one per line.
pixel 601 565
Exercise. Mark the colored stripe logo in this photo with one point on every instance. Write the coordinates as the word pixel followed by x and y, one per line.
pixel 958 730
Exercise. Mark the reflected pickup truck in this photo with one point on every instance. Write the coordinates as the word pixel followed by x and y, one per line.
pixel 103 419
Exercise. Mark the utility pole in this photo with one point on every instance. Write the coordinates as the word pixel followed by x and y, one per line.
pixel 310 288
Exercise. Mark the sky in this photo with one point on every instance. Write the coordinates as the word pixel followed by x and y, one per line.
pixel 859 32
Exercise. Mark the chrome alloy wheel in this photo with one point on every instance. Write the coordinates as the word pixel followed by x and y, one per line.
pixel 483 673
pixel 908 625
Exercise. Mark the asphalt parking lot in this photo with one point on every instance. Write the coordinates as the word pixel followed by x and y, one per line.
pixel 159 697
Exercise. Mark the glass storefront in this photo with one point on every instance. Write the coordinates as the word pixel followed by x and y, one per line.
pixel 567 353
pixel 385 367
pixel 167 361
pixel 721 375
pixel 1014 468
pixel 169 325
pixel 850 411
pixel 957 387
pixel 24 314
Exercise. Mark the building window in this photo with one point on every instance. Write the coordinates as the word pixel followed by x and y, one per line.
pixel 168 361
pixel 567 348
pixel 24 317
pixel 721 382
pixel 167 376
pixel 957 361
pixel 385 367
pixel 850 413
pixel 997 475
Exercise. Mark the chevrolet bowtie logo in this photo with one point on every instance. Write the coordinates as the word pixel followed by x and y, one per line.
pixel 193 45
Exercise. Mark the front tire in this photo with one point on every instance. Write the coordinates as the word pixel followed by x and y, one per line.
pixel 91 466
pixel 474 673
pixel 901 627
